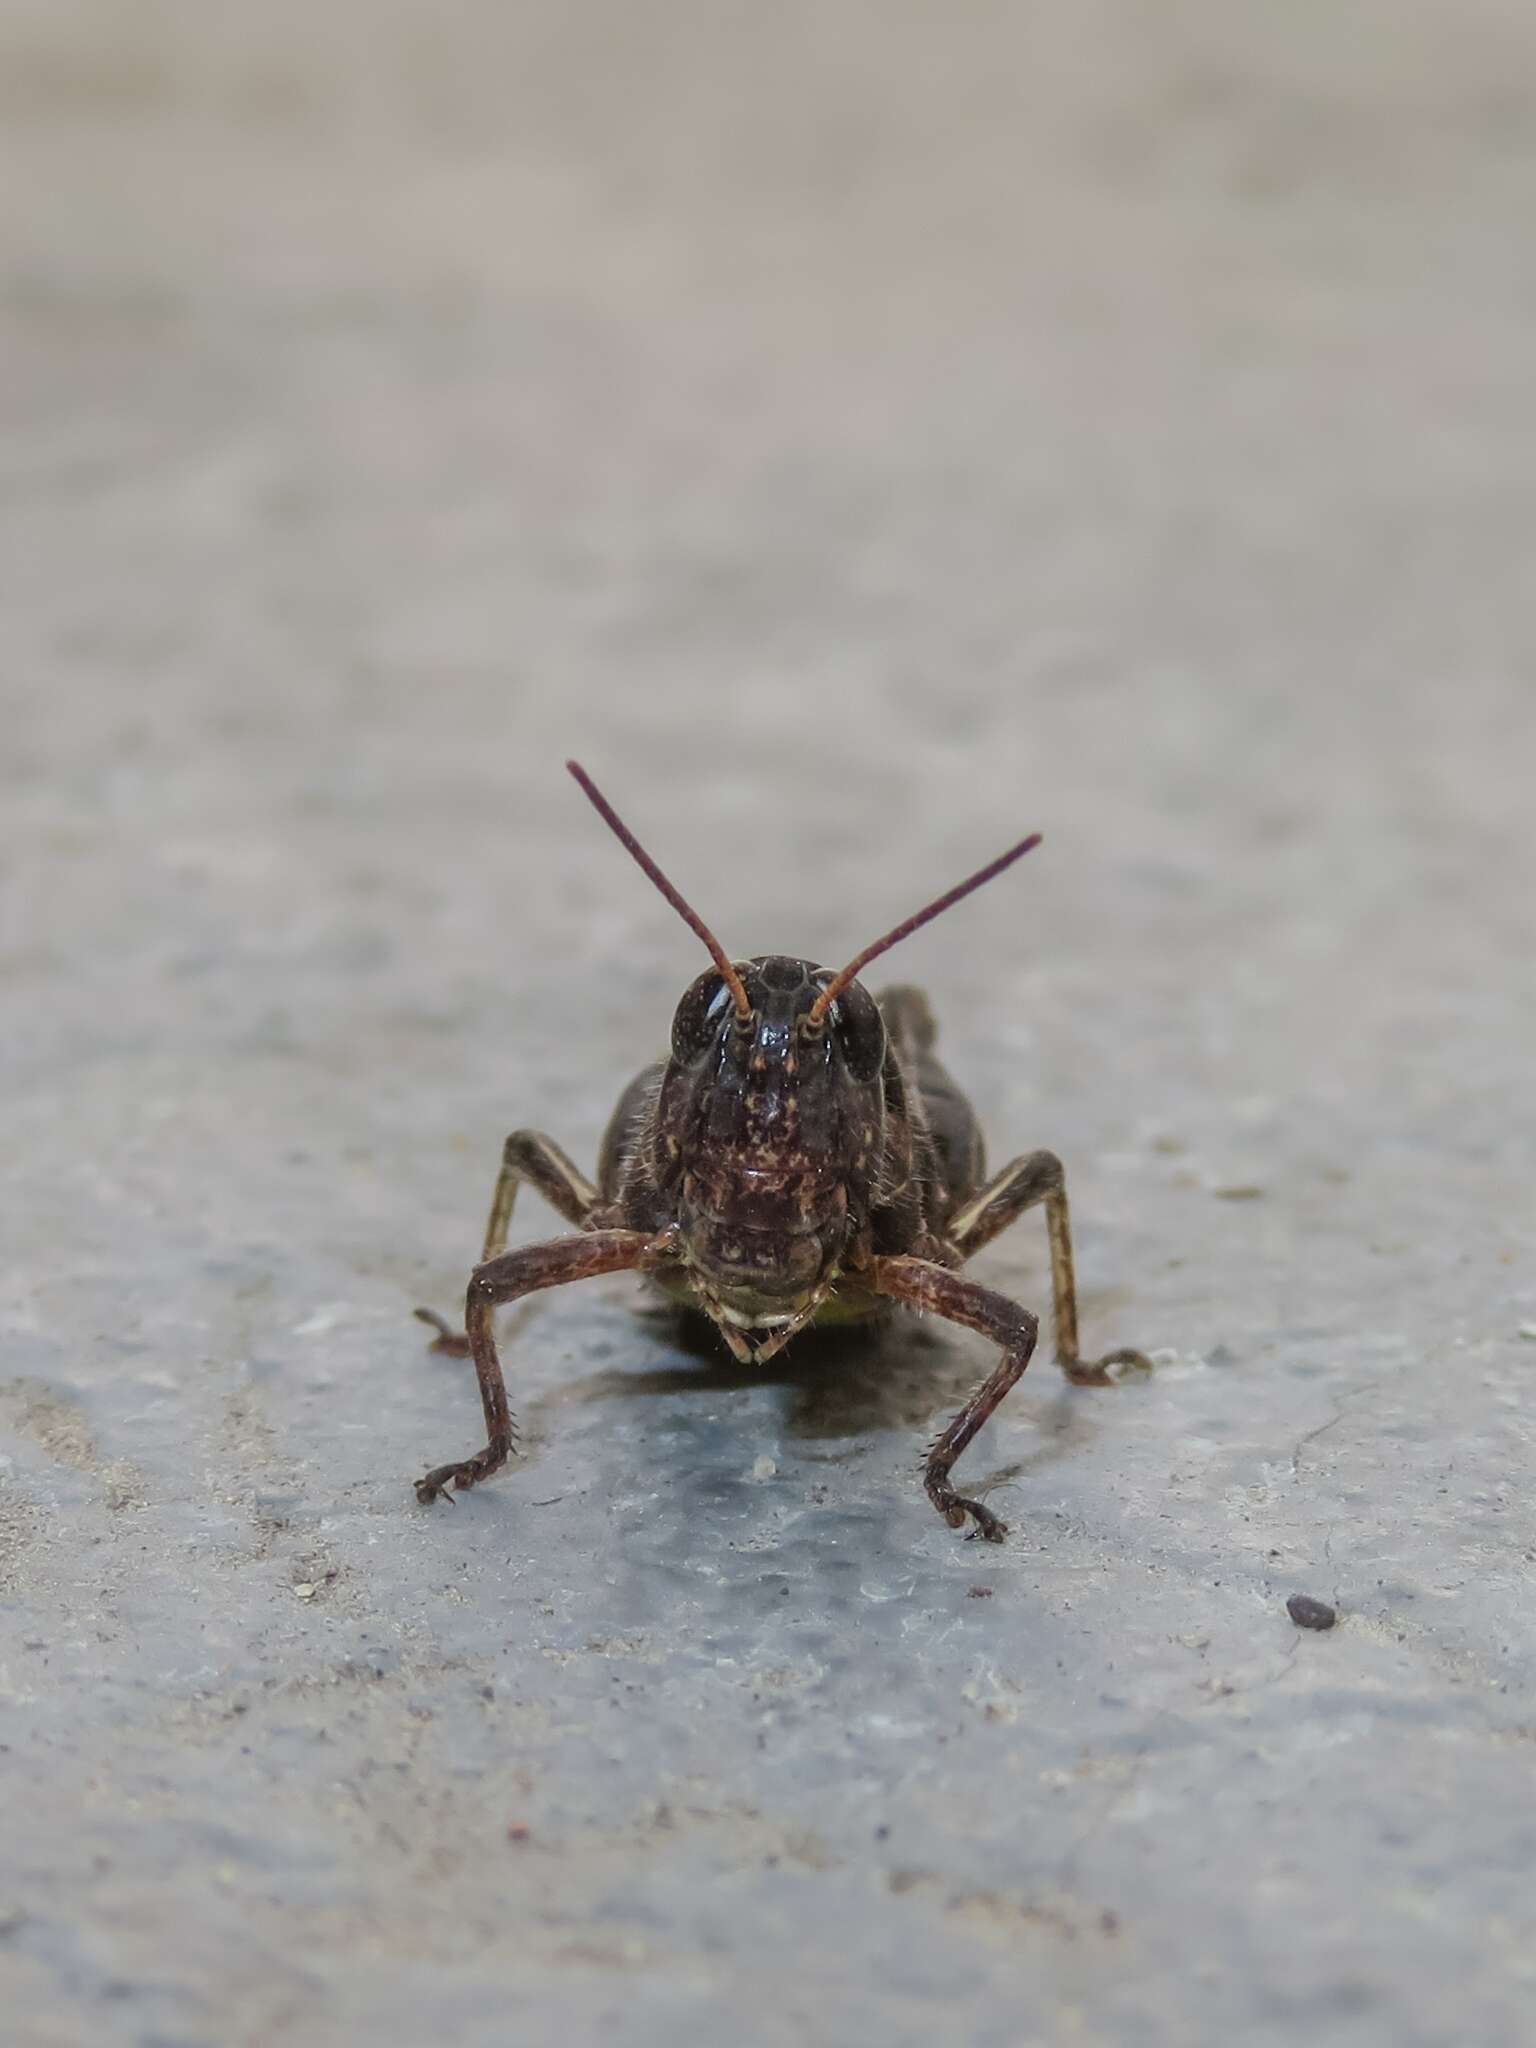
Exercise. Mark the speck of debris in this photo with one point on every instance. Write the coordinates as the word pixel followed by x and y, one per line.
pixel 306 1591
pixel 763 1468
pixel 1309 1613
pixel 978 1592
pixel 518 1831
pixel 1528 1332
pixel 1238 1194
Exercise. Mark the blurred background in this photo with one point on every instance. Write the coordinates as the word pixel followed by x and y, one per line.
pixel 861 433
pixel 858 421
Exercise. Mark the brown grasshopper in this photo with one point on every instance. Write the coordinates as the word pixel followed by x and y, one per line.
pixel 801 1156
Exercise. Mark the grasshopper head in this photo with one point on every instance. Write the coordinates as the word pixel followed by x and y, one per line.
pixel 770 1124
pixel 772 1114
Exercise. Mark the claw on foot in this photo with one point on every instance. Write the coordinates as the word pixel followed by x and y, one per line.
pixel 955 1507
pixel 453 1343
pixel 436 1483
pixel 465 1472
pixel 1084 1372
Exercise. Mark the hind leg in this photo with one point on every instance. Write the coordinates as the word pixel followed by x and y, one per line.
pixel 958 1151
pixel 527 1155
pixel 980 1217
pixel 908 1018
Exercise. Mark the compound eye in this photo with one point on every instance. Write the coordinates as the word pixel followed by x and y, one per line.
pixel 859 1031
pixel 698 1017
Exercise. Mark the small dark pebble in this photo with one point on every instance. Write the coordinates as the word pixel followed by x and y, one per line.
pixel 518 1831
pixel 978 1592
pixel 1309 1613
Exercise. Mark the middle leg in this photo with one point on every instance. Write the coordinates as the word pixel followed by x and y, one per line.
pixel 530 1156
pixel 1038 1177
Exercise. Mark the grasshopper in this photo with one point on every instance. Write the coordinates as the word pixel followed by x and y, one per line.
pixel 799 1156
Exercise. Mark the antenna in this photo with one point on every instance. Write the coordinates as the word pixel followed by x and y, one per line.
pixel 908 925
pixel 685 911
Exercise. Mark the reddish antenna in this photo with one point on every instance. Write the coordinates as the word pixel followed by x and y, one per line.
pixel 685 911
pixel 908 925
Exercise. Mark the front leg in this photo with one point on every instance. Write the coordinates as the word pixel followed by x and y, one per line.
pixel 507 1278
pixel 981 1216
pixel 530 1156
pixel 922 1285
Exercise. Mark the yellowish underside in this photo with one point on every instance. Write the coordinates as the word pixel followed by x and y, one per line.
pixel 847 1303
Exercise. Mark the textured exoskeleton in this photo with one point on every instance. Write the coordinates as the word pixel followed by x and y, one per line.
pixel 800 1155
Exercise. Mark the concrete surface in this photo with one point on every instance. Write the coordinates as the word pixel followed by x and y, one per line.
pixel 863 433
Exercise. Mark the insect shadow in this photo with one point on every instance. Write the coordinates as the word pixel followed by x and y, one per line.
pixel 840 1383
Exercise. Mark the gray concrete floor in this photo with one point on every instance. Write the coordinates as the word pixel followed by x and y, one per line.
pixel 863 433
